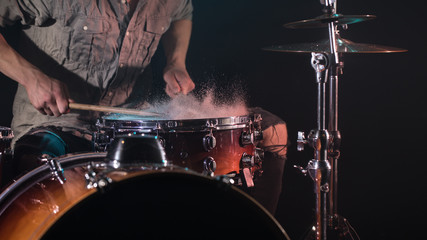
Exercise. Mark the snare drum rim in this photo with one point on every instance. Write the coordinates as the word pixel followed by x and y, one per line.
pixel 181 125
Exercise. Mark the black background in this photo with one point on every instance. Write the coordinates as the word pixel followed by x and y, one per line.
pixel 382 105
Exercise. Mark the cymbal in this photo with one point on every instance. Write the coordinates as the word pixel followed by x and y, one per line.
pixel 323 20
pixel 344 46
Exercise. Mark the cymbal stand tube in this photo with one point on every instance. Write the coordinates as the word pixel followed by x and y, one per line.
pixel 338 225
pixel 319 168
pixel 334 150
pixel 333 113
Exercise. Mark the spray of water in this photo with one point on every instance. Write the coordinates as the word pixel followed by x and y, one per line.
pixel 207 103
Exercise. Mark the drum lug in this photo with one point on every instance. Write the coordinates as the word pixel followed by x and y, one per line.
pixel 209 142
pixel 93 180
pixel 258 157
pixel 101 140
pixel 246 138
pixel 55 168
pixel 258 136
pixel 247 161
pixel 172 124
pixel 209 166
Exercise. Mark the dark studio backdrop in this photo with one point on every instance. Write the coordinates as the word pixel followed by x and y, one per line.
pixel 382 103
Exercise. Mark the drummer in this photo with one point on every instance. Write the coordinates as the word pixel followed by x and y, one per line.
pixel 95 52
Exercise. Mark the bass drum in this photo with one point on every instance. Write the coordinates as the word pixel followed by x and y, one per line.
pixel 88 200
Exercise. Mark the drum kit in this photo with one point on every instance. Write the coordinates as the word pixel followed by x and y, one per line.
pixel 189 172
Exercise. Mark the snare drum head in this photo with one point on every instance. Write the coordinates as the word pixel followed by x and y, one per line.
pixel 167 205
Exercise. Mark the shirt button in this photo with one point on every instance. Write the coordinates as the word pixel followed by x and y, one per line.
pixel 163 28
pixel 121 65
pixel 85 28
pixel 110 94
pixel 127 33
pixel 123 1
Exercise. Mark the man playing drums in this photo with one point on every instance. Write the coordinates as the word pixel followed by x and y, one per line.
pixel 94 52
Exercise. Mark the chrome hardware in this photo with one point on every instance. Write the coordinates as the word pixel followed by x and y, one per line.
pixel 183 155
pixel 209 142
pixel 301 141
pixel 319 62
pixel 55 168
pixel 225 179
pixel 258 136
pixel 303 170
pixel 246 138
pixel 209 166
pixel 90 177
pixel 320 171
pixel 95 180
pixel 171 124
pixel 258 155
pixel 101 140
pixel 247 160
pixel 211 124
pixel 258 158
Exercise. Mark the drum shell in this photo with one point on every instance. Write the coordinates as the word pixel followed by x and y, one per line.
pixel 187 150
pixel 167 203
pixel 184 140
pixel 34 202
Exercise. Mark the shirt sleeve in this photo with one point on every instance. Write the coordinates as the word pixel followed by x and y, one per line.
pixel 26 12
pixel 184 11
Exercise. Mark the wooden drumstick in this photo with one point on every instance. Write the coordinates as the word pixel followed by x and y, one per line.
pixel 99 108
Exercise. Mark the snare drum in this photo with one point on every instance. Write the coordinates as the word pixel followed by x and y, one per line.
pixel 215 146
pixel 6 136
pixel 80 196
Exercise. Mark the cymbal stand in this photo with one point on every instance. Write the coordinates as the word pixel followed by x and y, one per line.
pixel 326 142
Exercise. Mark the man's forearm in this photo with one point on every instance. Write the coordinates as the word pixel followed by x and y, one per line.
pixel 49 96
pixel 13 65
pixel 176 41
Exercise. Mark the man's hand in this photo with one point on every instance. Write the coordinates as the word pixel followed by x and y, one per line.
pixel 175 43
pixel 48 95
pixel 177 81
